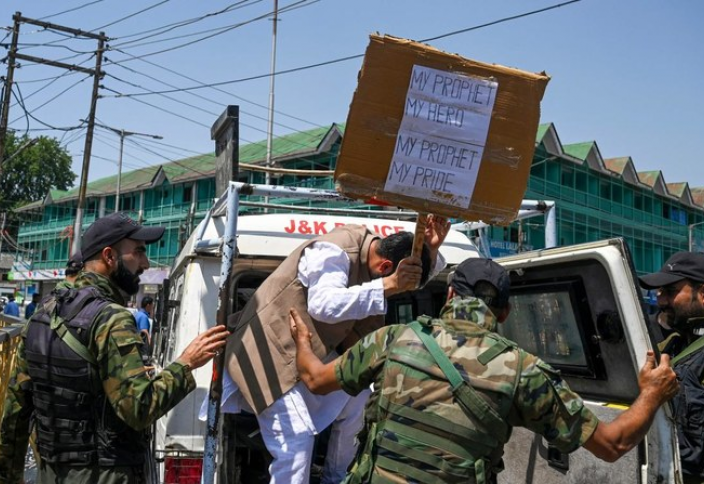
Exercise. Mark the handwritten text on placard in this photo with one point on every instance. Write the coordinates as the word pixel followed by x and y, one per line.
pixel 442 136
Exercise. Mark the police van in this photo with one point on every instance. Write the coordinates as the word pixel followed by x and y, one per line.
pixel 579 308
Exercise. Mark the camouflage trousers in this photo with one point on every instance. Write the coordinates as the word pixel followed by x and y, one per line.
pixel 62 474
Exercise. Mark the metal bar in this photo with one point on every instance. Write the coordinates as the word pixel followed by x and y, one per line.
pixel 61 28
pixel 551 226
pixel 70 67
pixel 10 332
pixel 351 211
pixel 289 192
pixel 207 244
pixel 229 253
pixel 288 171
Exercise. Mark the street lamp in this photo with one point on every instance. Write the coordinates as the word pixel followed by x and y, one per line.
pixel 690 228
pixel 123 134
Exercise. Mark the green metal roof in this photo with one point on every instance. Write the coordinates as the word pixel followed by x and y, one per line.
pixel 190 168
pixel 542 129
pixel 288 146
pixel 283 147
pixel 579 150
pixel 130 181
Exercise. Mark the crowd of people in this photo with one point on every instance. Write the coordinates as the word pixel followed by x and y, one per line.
pixel 430 401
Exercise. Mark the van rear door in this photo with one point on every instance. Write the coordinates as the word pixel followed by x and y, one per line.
pixel 579 309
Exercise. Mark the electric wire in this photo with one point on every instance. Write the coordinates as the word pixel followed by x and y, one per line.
pixel 53 80
pixel 22 105
pixel 203 98
pixel 182 23
pixel 72 9
pixel 175 162
pixel 216 89
pixel 162 2
pixel 220 31
pixel 190 120
pixel 197 107
pixel 347 58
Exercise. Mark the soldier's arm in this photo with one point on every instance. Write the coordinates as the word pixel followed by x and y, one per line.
pixel 136 397
pixel 14 432
pixel 658 384
pixel 316 375
pixel 352 372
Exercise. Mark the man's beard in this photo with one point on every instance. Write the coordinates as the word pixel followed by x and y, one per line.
pixel 685 317
pixel 125 279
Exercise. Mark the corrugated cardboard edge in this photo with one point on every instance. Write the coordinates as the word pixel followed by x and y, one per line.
pixel 385 128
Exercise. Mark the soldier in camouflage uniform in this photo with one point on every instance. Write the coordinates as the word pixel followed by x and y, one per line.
pixel 419 428
pixel 80 373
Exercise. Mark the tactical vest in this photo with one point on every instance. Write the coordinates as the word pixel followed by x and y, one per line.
pixel 76 425
pixel 689 412
pixel 405 441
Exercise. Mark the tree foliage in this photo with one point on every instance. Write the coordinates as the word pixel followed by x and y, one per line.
pixel 28 176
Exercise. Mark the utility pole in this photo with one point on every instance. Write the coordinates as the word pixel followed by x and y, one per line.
pixel 270 128
pixel 97 75
pixel 88 146
pixel 8 85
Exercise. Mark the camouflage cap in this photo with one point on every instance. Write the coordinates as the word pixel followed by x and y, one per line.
pixel 468 273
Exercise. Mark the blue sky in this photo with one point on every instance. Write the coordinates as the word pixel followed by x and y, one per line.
pixel 627 74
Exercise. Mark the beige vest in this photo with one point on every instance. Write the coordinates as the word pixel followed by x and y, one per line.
pixel 260 353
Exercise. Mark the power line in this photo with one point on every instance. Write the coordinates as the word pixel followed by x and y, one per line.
pixel 28 45
pixel 500 21
pixel 72 9
pixel 221 31
pixel 162 109
pixel 53 80
pixel 131 15
pixel 22 105
pixel 183 23
pixel 195 107
pixel 211 87
pixel 175 162
pixel 344 59
pixel 203 97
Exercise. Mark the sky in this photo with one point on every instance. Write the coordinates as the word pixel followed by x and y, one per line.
pixel 626 74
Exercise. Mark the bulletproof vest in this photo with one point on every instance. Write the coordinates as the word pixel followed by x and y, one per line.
pixel 423 444
pixel 689 413
pixel 76 425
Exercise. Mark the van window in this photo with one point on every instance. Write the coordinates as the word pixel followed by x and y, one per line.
pixel 551 321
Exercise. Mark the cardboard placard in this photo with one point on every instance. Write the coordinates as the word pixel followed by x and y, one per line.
pixel 439 133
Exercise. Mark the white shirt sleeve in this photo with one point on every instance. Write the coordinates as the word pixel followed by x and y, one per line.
pixel 324 270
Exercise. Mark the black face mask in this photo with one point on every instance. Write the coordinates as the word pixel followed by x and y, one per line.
pixel 125 279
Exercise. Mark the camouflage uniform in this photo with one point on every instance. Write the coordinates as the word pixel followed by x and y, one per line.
pixel 524 390
pixel 136 398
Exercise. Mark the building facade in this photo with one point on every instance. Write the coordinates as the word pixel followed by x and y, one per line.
pixel 595 198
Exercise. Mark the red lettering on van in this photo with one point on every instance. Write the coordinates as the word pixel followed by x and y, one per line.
pixel 291 228
pixel 319 228
pixel 304 227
